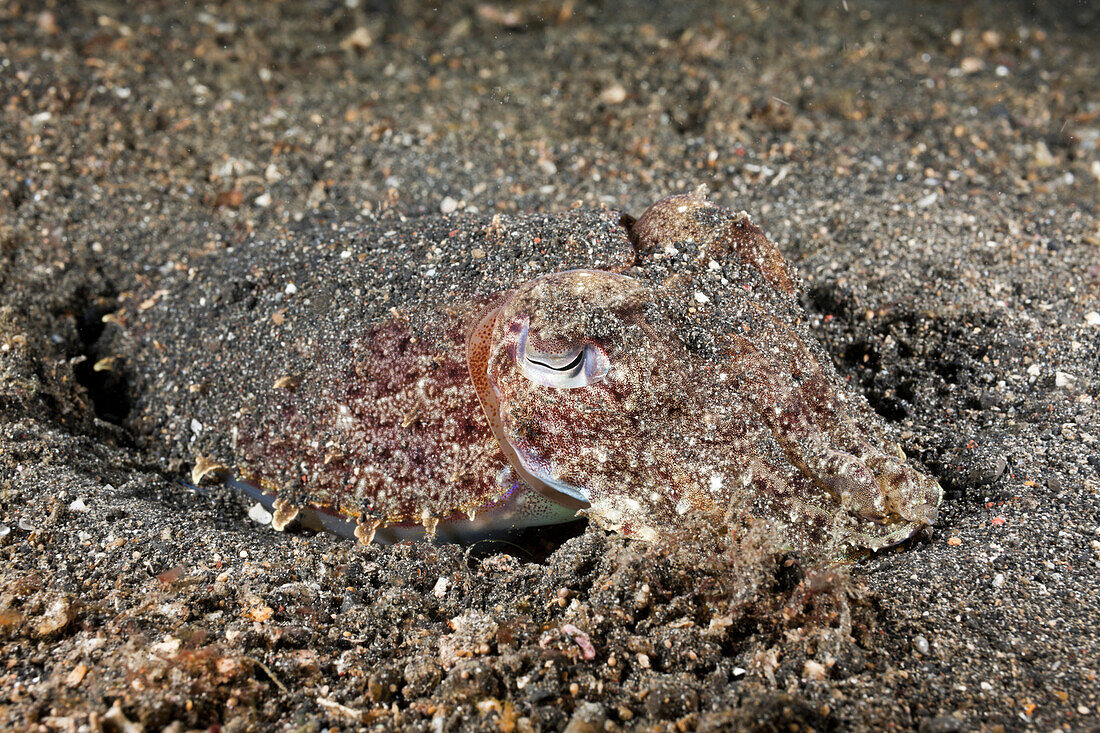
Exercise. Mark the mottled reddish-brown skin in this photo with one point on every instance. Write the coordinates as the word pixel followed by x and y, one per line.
pixel 403 416
pixel 349 390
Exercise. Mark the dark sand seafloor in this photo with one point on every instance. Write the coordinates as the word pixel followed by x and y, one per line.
pixel 931 171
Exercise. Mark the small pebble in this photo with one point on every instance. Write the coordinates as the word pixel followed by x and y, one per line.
pixel 78 506
pixel 448 205
pixel 1043 158
pixel 259 515
pixel 984 475
pixel 925 201
pixel 812 670
pixel 76 675
pixel 25 525
pixel 921 645
pixel 971 65
pixel 441 585
pixel 614 94
pixel 5 530
pixel 358 40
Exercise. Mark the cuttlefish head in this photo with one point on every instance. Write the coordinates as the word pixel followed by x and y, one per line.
pixel 588 398
pixel 694 388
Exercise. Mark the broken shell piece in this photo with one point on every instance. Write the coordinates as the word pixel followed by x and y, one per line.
pixel 259 514
pixel 284 514
pixel 365 532
pixel 430 523
pixel 206 467
pixel 105 365
pixel 288 382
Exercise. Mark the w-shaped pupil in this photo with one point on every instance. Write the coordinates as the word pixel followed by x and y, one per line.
pixel 568 367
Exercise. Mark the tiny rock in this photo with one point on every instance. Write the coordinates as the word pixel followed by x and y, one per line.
pixel 441 585
pixel 812 670
pixel 614 94
pixel 76 675
pixel 358 40
pixel 971 65
pixel 59 613
pixel 259 515
pixel 1043 157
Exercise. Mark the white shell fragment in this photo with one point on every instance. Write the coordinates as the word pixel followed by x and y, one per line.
pixel 259 515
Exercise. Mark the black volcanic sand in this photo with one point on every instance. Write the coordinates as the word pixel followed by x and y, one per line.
pixel 931 172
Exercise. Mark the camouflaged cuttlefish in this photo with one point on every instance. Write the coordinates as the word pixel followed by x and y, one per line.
pixel 460 375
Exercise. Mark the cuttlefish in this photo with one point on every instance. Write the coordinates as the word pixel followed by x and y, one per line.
pixel 461 375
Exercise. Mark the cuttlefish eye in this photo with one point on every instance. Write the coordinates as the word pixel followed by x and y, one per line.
pixel 577 365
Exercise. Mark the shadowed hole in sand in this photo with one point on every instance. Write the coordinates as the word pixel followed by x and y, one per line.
pixel 101 375
pixel 529 544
